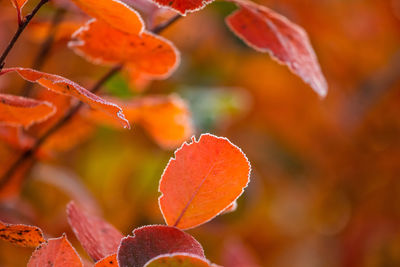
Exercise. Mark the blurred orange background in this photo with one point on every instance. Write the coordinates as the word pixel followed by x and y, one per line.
pixel 325 182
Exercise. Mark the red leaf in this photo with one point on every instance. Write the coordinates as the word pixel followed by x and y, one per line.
pixel 97 237
pixel 178 260
pixel 21 235
pixel 203 179
pixel 22 111
pixel 183 6
pixel 151 241
pixel 115 13
pixel 57 252
pixel 266 31
pixel 64 86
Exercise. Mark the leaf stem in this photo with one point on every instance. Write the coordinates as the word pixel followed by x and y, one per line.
pixel 21 27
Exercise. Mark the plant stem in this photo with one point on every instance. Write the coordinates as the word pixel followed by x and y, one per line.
pixel 159 28
pixel 21 28
pixel 45 48
pixel 30 152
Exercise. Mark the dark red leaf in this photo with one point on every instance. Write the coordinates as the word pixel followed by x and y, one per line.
pixel 151 241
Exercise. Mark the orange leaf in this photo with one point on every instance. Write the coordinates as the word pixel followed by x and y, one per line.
pixel 146 54
pixel 40 30
pixel 22 111
pixel 178 260
pixel 183 6
pixel 21 235
pixel 166 119
pixel 57 252
pixel 203 179
pixel 76 131
pixel 115 13
pixel 15 137
pixel 266 31
pixel 64 86
pixel 109 261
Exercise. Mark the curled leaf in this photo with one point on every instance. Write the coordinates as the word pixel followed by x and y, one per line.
pixel 178 260
pixel 149 242
pixel 203 179
pixel 21 235
pixel 183 6
pixel 266 31
pixel 64 86
pixel 56 252
pixel 145 54
pixel 97 237
pixel 22 111
pixel 113 12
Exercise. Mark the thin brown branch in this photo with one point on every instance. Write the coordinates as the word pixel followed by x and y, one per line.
pixel 30 152
pixel 21 28
pixel 45 48
pixel 160 28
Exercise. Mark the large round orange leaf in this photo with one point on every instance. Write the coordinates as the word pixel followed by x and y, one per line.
pixel 178 260
pixel 56 252
pixel 22 111
pixel 115 13
pixel 203 179
pixel 64 86
pixel 21 235
pixel 145 54
pixel 267 31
